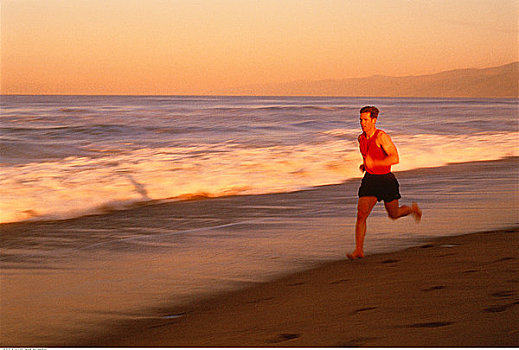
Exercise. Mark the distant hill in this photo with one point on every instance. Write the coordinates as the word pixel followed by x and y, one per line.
pixel 502 81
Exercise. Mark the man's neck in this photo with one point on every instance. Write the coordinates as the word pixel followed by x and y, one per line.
pixel 369 134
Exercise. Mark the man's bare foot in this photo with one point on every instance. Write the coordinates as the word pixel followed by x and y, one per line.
pixel 417 213
pixel 355 255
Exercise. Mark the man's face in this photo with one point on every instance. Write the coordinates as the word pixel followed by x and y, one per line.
pixel 366 122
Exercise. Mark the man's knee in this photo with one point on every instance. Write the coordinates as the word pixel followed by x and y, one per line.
pixel 392 215
pixel 362 214
pixel 398 212
pixel 392 209
pixel 364 207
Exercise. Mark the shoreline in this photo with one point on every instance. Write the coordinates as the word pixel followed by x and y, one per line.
pixel 451 291
pixel 105 209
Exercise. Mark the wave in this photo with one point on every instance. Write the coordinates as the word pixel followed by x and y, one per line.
pixel 295 108
pixel 76 186
pixel 14 151
pixel 76 110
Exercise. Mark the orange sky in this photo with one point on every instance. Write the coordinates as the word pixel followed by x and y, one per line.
pixel 198 47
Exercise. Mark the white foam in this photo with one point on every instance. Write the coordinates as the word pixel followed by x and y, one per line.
pixel 77 186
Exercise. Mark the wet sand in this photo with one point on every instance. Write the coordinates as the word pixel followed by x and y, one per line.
pixel 453 291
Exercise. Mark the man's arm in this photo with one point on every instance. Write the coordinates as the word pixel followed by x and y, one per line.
pixel 362 166
pixel 389 147
pixel 392 154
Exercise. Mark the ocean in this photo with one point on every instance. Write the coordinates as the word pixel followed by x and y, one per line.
pixel 114 206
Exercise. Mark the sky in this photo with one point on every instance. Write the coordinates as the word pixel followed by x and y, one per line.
pixel 200 47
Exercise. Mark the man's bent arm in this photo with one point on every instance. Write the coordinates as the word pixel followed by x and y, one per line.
pixel 390 149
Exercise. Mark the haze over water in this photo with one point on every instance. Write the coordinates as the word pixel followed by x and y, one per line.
pixel 283 174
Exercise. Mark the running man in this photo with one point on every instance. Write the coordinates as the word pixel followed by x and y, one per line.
pixel 379 183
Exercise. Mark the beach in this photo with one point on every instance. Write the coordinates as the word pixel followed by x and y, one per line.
pixel 448 292
pixel 73 282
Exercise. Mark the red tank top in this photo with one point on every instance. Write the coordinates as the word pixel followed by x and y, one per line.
pixel 369 146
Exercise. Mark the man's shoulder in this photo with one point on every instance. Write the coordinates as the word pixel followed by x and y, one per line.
pixel 381 134
pixel 382 138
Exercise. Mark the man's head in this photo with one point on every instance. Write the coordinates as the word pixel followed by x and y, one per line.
pixel 372 110
pixel 368 118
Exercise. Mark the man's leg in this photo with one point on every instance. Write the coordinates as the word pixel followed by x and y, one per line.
pixel 364 207
pixel 394 211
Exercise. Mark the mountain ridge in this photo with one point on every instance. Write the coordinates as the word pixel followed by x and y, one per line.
pixel 492 82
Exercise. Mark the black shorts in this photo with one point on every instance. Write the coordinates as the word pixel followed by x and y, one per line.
pixel 384 187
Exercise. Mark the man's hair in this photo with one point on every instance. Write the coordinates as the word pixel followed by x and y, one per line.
pixel 373 111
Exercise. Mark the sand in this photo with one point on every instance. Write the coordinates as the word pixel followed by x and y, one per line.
pixel 454 291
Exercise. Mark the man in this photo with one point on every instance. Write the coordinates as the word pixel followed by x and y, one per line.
pixel 379 183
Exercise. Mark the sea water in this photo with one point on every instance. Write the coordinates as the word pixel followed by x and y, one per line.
pixel 67 156
pixel 114 205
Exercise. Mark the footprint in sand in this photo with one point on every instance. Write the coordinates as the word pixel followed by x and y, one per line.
pixel 296 284
pixel 339 281
pixel 362 310
pixel 390 261
pixel 356 342
pixel 427 246
pixel 255 301
pixel 503 294
pixel 283 337
pixel 500 308
pixel 433 288
pixel 429 325
pixel 506 258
